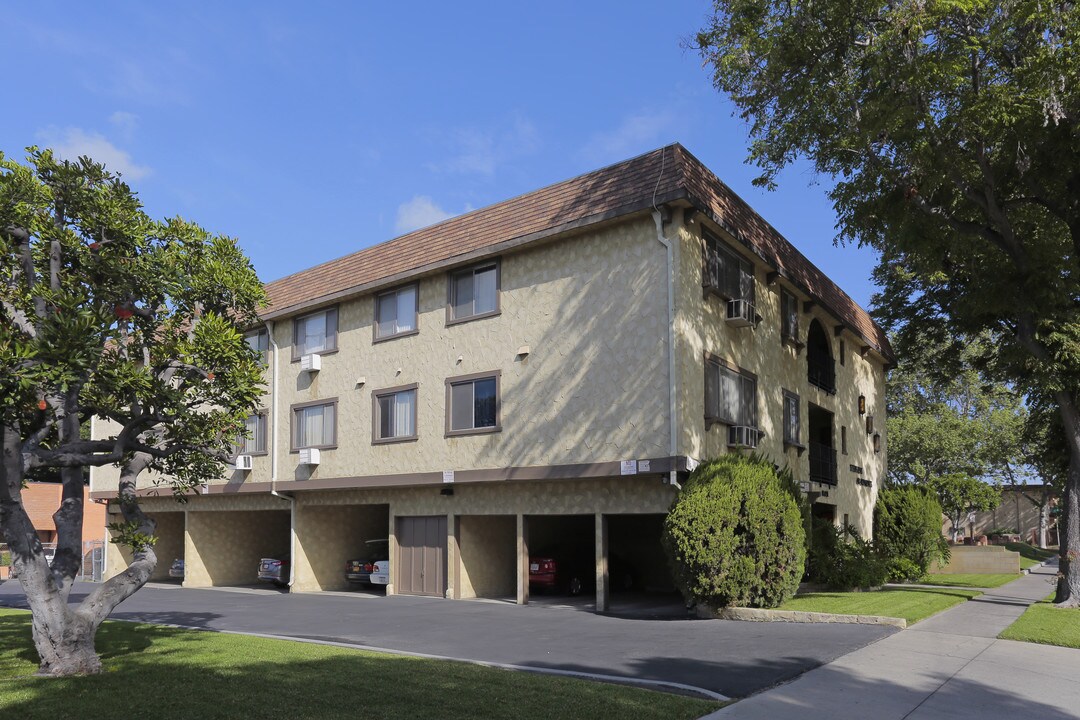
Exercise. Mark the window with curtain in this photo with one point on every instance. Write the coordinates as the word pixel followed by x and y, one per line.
pixel 315 333
pixel 474 292
pixel 395 312
pixel 313 426
pixel 258 341
pixel 254 440
pixel 395 414
pixel 730 394
pixel 473 404
pixel 789 316
pixel 727 273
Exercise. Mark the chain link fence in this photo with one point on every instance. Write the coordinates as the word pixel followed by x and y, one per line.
pixel 91 569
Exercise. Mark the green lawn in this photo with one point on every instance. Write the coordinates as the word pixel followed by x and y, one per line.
pixel 912 604
pixel 971 580
pixel 159 672
pixel 1029 554
pixel 1046 624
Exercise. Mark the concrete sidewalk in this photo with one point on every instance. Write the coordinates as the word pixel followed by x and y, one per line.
pixel 950 666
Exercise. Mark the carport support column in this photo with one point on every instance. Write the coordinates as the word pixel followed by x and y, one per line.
pixel 393 552
pixel 453 560
pixel 522 559
pixel 602 590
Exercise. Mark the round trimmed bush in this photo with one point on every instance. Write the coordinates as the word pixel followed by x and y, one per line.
pixel 734 536
pixel 907 531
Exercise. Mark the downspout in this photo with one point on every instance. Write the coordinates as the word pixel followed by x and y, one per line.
pixel 658 218
pixel 273 452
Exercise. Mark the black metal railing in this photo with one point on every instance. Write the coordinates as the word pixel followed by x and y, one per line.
pixel 821 371
pixel 822 463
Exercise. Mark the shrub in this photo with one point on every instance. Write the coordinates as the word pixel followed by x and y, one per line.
pixel 840 559
pixel 907 531
pixel 734 535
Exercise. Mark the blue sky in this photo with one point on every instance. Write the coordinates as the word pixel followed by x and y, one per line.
pixel 310 130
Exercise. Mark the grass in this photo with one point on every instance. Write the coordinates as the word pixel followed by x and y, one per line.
pixel 1029 554
pixel 1043 623
pixel 159 672
pixel 912 604
pixel 971 580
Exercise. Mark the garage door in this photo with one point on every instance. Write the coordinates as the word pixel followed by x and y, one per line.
pixel 421 555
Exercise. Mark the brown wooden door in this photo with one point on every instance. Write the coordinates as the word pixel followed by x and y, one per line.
pixel 421 555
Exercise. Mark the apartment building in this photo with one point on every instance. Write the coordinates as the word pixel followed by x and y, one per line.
pixel 540 373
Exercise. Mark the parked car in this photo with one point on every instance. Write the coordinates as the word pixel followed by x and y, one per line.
pixel 573 572
pixel 275 570
pixel 380 572
pixel 359 570
pixel 176 570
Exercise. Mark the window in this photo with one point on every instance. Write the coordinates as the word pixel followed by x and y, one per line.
pixel 254 440
pixel 395 313
pixel 473 293
pixel 314 425
pixel 315 333
pixel 394 414
pixel 843 439
pixel 791 419
pixel 726 272
pixel 258 341
pixel 472 404
pixel 730 394
pixel 789 317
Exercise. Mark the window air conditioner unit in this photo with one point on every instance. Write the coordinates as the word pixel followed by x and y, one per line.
pixel 243 462
pixel 743 436
pixel 309 456
pixel 310 362
pixel 740 313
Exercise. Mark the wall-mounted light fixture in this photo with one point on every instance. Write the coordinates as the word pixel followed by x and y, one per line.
pixel 862 404
pixel 869 424
pixel 877 442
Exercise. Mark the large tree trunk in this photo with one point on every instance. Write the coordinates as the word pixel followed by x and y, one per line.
pixel 64 636
pixel 1068 589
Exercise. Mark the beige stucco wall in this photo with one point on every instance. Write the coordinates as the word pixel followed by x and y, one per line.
pixel 224 548
pixel 169 546
pixel 327 536
pixel 980 560
pixel 486 545
pixel 701 329
pixel 1014 511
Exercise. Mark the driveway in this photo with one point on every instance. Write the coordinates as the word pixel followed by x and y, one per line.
pixel 734 659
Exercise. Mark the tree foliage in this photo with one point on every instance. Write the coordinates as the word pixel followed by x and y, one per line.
pixel 734 536
pixel 106 313
pixel 951 131
pixel 907 531
pixel 960 495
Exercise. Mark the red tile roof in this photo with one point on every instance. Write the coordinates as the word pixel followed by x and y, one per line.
pixel 663 175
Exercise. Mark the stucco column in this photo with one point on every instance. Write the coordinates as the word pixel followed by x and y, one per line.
pixel 522 559
pixel 453 557
pixel 393 552
pixel 602 590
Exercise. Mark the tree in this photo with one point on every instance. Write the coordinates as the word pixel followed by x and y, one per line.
pixel 106 313
pixel 961 495
pixel 951 131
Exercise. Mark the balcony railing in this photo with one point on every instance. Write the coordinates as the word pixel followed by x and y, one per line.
pixel 822 464
pixel 821 372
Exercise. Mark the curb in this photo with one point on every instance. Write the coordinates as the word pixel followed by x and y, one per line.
pixel 798 616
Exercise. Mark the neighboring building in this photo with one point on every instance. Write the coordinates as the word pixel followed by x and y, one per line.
pixel 1017 513
pixel 540 373
pixel 42 499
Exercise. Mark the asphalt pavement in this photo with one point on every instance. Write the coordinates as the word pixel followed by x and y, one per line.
pixel 733 659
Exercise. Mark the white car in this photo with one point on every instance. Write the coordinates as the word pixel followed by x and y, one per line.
pixel 380 573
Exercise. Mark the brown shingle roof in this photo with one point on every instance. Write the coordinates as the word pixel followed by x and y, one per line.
pixel 619 189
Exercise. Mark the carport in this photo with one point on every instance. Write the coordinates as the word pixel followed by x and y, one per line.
pixel 571 542
pixel 487 557
pixel 169 545
pixel 327 536
pixel 224 547
pixel 638 574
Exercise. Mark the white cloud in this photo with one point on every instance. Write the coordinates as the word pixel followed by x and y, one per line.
pixel 419 212
pixel 126 123
pixel 636 134
pixel 73 142
pixel 482 151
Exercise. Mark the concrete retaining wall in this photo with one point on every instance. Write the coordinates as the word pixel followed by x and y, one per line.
pixel 981 560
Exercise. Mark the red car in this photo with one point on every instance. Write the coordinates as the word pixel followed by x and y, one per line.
pixel 554 572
